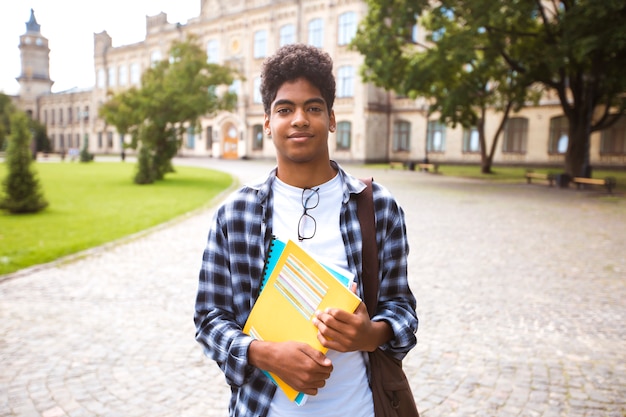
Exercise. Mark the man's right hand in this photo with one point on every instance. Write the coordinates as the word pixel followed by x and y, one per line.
pixel 298 364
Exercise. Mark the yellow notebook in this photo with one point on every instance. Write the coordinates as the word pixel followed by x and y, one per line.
pixel 296 286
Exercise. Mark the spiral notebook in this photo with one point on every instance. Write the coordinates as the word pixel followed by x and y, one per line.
pixel 294 287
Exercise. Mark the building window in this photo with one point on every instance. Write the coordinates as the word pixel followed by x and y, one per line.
pixel 112 73
pixel 123 75
pixel 471 141
pixel 235 87
pixel 344 136
pixel 155 57
pixel 316 33
pixel 256 94
pixel 415 33
pixel 347 27
pixel 209 138
pixel 257 137
pixel 135 74
pixel 61 117
pixel 213 51
pixel 613 139
pixel 260 44
pixel 191 137
pixel 515 135
pixel 70 119
pixel 559 135
pixel 45 117
pixel 287 35
pixel 436 136
pixel 401 136
pixel 99 140
pixel 345 82
pixel 62 142
pixel 101 81
pixel 109 140
pixel 53 117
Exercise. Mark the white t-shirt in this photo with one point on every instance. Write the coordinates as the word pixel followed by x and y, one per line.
pixel 347 392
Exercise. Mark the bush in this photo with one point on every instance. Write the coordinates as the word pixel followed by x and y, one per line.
pixel 21 186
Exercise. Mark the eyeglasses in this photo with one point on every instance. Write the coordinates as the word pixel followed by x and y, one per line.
pixel 306 224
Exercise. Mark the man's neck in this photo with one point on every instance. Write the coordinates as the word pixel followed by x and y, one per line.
pixel 305 175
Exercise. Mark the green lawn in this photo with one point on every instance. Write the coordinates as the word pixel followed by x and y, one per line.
pixel 95 203
pixel 516 174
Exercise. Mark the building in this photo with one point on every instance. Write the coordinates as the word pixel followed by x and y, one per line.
pixel 373 124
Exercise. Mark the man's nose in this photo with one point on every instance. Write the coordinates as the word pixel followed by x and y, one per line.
pixel 300 118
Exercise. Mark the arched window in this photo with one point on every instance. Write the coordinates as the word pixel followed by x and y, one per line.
pixel 515 135
pixel 471 141
pixel 436 136
pixel 257 137
pixel 345 81
pixel 213 51
pixel 316 33
pixel 613 139
pixel 344 136
pixel 260 44
pixel 559 135
pixel 287 35
pixel 401 136
pixel 347 28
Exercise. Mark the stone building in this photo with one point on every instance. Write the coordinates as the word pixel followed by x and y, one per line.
pixel 372 124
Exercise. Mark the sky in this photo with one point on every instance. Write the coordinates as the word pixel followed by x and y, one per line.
pixel 69 26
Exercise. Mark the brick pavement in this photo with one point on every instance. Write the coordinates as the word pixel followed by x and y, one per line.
pixel 520 297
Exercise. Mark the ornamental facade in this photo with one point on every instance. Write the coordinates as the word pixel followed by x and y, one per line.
pixel 373 125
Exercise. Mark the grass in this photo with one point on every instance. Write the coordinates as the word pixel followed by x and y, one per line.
pixel 516 174
pixel 96 203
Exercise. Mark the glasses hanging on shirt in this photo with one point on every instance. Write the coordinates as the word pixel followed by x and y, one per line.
pixel 307 225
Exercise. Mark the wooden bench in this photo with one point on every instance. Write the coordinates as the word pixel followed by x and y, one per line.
pixel 609 182
pixel 397 164
pixel 530 175
pixel 428 167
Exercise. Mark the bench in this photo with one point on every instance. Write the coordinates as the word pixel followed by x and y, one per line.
pixel 530 175
pixel 428 167
pixel 397 164
pixel 609 182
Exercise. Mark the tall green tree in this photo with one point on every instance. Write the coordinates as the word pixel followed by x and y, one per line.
pixel 574 47
pixel 174 94
pixel 6 109
pixel 22 190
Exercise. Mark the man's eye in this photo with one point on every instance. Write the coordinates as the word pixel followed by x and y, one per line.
pixel 283 111
pixel 315 109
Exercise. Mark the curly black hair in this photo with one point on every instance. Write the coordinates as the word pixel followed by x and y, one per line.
pixel 295 61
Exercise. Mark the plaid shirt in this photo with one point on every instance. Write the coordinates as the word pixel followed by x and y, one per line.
pixel 232 266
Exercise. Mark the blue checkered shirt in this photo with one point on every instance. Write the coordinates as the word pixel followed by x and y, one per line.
pixel 232 267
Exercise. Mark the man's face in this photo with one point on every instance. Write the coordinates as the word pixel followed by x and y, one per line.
pixel 299 123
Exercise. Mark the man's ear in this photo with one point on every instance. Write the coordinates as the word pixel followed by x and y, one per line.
pixel 266 125
pixel 332 125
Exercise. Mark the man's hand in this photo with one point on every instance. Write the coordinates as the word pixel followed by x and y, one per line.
pixel 298 364
pixel 347 332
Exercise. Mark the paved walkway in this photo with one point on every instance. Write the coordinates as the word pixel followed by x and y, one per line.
pixel 521 299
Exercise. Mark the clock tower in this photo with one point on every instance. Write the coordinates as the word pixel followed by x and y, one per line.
pixel 35 58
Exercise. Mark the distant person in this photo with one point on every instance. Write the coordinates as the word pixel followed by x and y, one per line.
pixel 309 199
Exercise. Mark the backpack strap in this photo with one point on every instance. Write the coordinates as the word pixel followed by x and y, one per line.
pixel 369 252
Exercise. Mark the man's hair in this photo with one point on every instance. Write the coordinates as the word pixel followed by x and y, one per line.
pixel 295 61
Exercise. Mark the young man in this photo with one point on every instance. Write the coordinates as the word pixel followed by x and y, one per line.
pixel 311 200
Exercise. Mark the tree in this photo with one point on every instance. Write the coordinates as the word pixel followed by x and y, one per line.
pixel 575 47
pixel 174 94
pixel 459 75
pixel 22 189
pixel 6 109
